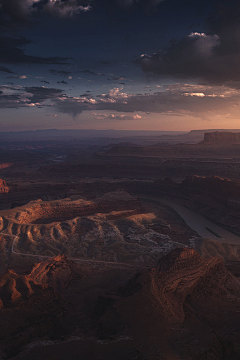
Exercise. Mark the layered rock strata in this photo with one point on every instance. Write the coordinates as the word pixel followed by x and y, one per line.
pixel 109 228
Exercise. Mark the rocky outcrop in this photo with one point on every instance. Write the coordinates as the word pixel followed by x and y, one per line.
pixel 109 228
pixel 3 187
pixel 30 308
pixel 57 272
pixel 42 212
pixel 184 308
pixel 182 273
pixel 22 289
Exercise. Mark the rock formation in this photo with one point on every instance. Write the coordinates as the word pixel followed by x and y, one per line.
pixel 29 310
pixel 3 187
pixel 218 138
pixel 111 228
pixel 184 308
pixel 214 185
pixel 43 212
pixel 58 272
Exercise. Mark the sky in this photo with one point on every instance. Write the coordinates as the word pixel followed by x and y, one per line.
pixel 119 64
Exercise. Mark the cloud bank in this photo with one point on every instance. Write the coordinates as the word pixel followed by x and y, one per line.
pixel 178 99
pixel 21 10
pixel 208 58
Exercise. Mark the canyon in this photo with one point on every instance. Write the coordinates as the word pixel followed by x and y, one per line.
pixel 94 261
pixel 184 307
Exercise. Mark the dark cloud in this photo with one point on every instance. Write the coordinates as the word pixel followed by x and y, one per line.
pixel 40 94
pixel 115 5
pixel 19 11
pixel 211 57
pixel 148 3
pixel 87 71
pixel 6 70
pixel 60 72
pixel 12 97
pixel 72 106
pixel 11 101
pixel 193 56
pixel 117 78
pixel 62 82
pixel 45 82
pixel 17 96
pixel 67 8
pixel 12 53
pixel 22 10
pixel 225 22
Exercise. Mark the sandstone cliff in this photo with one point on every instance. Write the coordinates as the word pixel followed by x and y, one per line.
pixel 221 138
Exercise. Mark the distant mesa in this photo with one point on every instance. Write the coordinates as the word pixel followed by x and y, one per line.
pixel 221 138
pixel 213 142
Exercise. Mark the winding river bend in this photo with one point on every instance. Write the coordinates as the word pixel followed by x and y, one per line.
pixel 199 223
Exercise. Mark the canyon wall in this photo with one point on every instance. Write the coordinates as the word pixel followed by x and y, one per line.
pixel 213 185
pixel 221 138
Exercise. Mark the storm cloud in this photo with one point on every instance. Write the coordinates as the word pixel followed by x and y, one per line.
pixel 211 57
pixel 21 10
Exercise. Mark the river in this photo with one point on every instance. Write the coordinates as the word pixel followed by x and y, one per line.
pixel 199 223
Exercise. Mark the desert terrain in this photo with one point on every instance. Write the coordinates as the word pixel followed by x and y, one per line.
pixel 97 260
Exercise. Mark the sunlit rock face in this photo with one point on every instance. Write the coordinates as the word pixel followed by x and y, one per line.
pixel 44 212
pixel 3 187
pixel 111 228
pixel 57 272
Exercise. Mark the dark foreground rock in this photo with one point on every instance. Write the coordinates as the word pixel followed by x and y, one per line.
pixel 185 308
